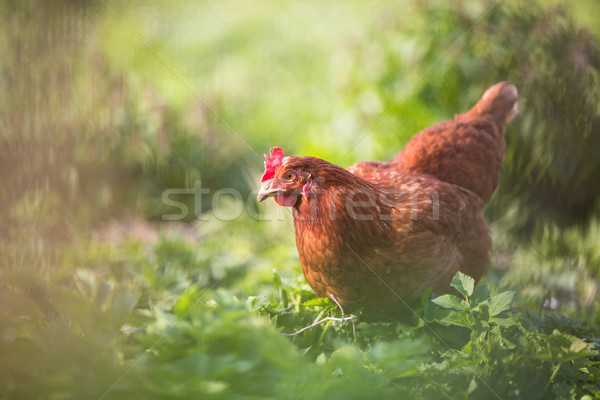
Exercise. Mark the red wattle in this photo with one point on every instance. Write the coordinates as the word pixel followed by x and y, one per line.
pixel 286 201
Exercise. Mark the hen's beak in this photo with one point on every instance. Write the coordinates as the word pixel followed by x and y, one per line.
pixel 267 191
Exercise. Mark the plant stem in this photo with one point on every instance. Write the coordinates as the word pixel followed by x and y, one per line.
pixel 553 376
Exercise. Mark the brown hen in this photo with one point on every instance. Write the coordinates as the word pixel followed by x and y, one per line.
pixel 377 234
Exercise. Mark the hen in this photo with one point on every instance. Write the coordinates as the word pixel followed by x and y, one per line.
pixel 377 234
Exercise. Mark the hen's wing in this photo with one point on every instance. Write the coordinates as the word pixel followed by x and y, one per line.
pixel 422 245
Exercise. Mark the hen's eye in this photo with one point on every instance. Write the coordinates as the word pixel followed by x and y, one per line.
pixel 289 176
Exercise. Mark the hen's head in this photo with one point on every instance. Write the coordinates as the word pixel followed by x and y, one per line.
pixel 283 179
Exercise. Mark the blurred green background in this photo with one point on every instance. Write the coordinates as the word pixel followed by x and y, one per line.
pixel 105 105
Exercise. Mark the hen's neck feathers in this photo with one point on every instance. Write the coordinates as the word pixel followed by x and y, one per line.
pixel 342 205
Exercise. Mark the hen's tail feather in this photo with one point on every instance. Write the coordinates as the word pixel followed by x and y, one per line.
pixel 469 151
pixel 499 102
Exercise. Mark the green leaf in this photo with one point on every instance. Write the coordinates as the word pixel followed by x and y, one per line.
pixel 123 303
pixel 451 301
pixel 320 301
pixel 500 302
pixel 457 318
pixel 276 280
pixel 103 293
pixel 85 280
pixel 577 345
pixel 425 295
pixel 321 359
pixel 480 294
pixel 504 322
pixel 185 301
pixel 463 283
pixel 472 386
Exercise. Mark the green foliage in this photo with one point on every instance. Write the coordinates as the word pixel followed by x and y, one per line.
pixel 170 320
pixel 550 165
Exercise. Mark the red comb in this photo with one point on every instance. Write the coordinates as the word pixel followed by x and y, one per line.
pixel 272 163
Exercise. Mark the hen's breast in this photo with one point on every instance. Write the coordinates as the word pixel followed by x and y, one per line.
pixel 376 276
pixel 409 242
